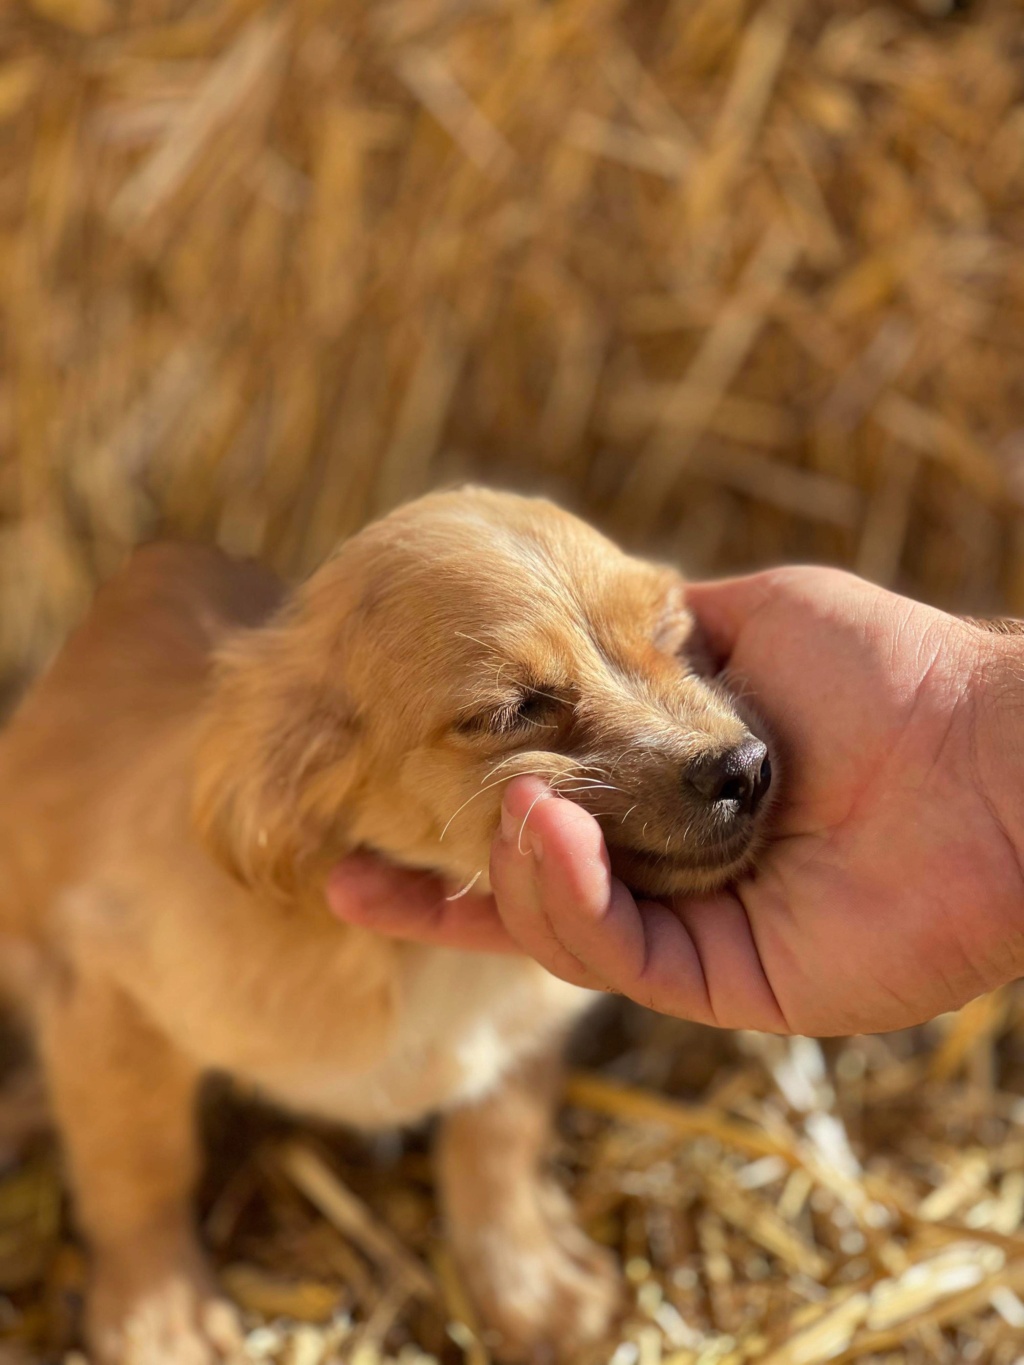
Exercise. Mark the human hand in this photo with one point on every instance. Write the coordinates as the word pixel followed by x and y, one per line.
pixel 891 890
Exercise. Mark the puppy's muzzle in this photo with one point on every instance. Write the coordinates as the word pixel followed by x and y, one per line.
pixel 733 783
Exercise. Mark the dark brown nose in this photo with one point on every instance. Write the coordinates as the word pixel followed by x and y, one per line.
pixel 736 781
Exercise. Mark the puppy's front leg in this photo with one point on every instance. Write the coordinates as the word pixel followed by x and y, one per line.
pixel 124 1098
pixel 541 1286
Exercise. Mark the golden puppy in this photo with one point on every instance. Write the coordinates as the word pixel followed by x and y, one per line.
pixel 174 791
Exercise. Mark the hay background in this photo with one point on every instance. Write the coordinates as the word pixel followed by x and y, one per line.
pixel 742 280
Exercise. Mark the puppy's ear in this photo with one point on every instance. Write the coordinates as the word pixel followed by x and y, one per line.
pixel 275 763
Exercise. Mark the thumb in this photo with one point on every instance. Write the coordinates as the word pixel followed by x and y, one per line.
pixel 723 608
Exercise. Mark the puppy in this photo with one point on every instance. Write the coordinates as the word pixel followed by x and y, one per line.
pixel 174 792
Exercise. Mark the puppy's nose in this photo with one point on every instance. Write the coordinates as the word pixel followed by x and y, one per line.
pixel 738 779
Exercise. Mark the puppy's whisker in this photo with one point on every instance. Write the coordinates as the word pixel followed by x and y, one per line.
pixel 594 776
pixel 458 810
pixel 531 772
pixel 565 789
pixel 512 758
pixel 465 890
pixel 522 827
pixel 581 782
pixel 629 812
pixel 589 786
pixel 581 768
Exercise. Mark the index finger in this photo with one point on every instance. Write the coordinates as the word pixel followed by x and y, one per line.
pixel 414 906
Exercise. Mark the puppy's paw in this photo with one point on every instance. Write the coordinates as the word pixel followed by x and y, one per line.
pixel 179 1319
pixel 545 1292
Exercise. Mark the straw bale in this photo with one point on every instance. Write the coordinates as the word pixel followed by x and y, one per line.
pixel 742 280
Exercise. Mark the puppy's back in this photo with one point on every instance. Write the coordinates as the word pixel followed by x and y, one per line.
pixel 134 668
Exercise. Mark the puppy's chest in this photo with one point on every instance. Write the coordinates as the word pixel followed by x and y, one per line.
pixel 463 1021
pixel 330 1022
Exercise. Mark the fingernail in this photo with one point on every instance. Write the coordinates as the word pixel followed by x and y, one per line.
pixel 516 830
pixel 509 825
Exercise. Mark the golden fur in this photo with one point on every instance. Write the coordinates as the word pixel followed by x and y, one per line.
pixel 173 793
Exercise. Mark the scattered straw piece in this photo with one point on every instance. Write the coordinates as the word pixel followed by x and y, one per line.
pixel 463 1327
pixel 351 1217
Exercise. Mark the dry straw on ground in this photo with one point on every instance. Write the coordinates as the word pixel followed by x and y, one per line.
pixel 772 1202
pixel 743 280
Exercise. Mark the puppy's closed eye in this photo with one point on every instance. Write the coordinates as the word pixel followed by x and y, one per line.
pixel 519 713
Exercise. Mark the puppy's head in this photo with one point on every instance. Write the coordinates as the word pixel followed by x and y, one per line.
pixel 464 639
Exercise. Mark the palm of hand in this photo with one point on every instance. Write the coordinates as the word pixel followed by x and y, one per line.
pixel 871 908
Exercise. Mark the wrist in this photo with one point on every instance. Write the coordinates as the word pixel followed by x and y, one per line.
pixel 998 687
